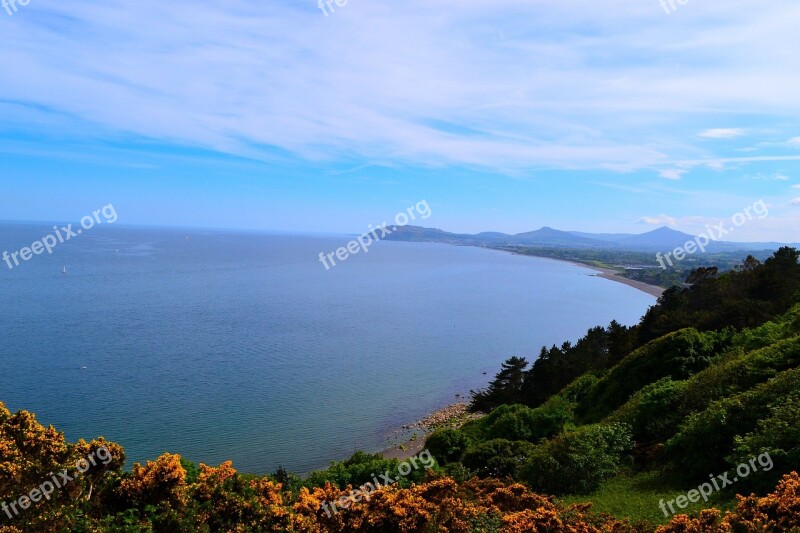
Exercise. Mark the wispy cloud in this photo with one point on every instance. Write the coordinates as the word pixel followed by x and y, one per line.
pixel 507 86
pixel 660 220
pixel 672 173
pixel 722 133
pixel 777 176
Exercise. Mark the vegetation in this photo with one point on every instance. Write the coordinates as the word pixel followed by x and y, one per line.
pixel 707 380
pixel 637 265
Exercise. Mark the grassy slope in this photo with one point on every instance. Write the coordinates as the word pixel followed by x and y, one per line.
pixel 636 495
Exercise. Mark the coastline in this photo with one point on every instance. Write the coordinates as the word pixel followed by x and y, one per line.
pixel 451 416
pixel 602 272
pixel 455 415
pixel 613 275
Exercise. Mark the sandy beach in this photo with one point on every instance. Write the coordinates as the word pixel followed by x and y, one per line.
pixel 606 273
pixel 613 275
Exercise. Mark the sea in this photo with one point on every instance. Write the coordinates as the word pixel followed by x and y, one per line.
pixel 240 345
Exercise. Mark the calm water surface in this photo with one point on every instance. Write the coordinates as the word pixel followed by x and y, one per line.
pixel 223 345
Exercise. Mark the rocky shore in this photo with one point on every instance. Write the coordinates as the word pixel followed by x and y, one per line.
pixel 452 416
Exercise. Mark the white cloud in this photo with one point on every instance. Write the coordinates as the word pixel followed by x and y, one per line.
pixel 672 173
pixel 795 201
pixel 794 142
pixel 660 220
pixel 777 176
pixel 796 186
pixel 511 84
pixel 722 133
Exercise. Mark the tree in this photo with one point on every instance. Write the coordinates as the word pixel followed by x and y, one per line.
pixel 506 388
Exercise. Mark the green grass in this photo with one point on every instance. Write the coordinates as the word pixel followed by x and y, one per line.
pixel 636 497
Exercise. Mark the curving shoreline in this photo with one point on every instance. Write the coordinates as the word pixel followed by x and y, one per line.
pixel 453 415
pixel 603 272
pixel 614 275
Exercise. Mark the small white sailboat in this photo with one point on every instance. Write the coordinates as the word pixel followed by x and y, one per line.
pixel 64 271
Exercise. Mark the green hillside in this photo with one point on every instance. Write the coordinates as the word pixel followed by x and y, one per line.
pixel 641 421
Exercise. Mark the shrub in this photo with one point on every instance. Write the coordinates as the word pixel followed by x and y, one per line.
pixel 778 435
pixel 360 469
pixel 678 356
pixel 652 412
pixel 498 458
pixel 579 389
pixel 708 437
pixel 447 445
pixel 517 422
pixel 577 462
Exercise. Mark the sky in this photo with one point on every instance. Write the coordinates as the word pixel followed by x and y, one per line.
pixel 509 115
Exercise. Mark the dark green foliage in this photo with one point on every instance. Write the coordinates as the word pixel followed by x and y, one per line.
pixel 360 469
pixel 745 297
pixel 192 470
pixel 738 374
pixel 498 458
pixel 447 445
pixel 779 435
pixel 599 349
pixel 656 412
pixel 517 422
pixel 457 471
pixel 653 411
pixel 578 390
pixel 577 462
pixel 488 523
pixel 505 389
pixel 704 382
pixel 771 332
pixel 677 356
pixel 708 437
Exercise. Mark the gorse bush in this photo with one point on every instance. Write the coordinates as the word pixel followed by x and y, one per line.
pixel 158 497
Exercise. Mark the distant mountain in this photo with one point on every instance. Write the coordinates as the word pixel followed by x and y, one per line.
pixel 612 237
pixel 663 239
pixel 553 237
pixel 660 239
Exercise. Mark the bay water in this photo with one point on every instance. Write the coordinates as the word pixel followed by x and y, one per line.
pixel 240 345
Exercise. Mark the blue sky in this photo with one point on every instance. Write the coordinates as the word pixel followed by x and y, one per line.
pixel 508 115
